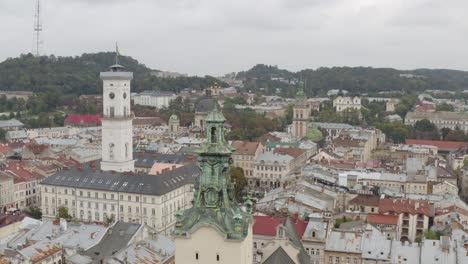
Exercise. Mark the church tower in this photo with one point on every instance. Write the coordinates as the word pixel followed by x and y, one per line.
pixel 215 230
pixel 301 113
pixel 174 124
pixel 117 132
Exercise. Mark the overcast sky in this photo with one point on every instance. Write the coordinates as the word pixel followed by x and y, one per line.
pixel 220 36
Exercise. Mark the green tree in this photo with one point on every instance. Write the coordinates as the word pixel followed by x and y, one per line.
pixel 429 234
pixel 2 134
pixel 238 177
pixel 424 129
pixel 342 220
pixel 63 213
pixel 444 107
pixel 33 212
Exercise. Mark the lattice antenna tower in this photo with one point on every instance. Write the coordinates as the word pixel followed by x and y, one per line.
pixel 37 28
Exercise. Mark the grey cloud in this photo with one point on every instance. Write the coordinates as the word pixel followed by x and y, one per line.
pixel 218 36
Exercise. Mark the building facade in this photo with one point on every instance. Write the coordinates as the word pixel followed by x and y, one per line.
pixel 245 154
pixel 341 103
pixel 102 196
pixel 157 99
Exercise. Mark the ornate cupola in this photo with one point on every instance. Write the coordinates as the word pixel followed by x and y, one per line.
pixel 214 201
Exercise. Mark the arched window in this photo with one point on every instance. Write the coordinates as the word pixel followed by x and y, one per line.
pixel 313 234
pixel 111 151
pixel 213 135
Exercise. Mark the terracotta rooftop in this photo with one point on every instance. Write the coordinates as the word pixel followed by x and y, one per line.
pixel 293 152
pixel 346 141
pixel 266 225
pixel 10 219
pixel 83 119
pixel 442 145
pixel 366 200
pixel 148 121
pixel 381 219
pixel 244 147
pixel 389 205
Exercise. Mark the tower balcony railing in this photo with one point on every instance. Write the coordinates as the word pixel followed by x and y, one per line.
pixel 117 117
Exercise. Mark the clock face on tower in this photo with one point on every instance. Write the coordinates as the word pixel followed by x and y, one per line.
pixel 111 95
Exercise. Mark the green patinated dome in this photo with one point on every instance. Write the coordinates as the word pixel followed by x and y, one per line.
pixel 314 134
pixel 173 118
pixel 215 116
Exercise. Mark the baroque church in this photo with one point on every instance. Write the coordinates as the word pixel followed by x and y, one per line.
pixel 215 230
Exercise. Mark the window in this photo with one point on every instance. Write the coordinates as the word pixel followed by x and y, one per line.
pixel 217 257
pixel 337 259
pixel 196 255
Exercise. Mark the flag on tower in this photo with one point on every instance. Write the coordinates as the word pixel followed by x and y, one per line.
pixel 117 52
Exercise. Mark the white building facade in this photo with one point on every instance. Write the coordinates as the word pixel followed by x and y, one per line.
pixel 154 98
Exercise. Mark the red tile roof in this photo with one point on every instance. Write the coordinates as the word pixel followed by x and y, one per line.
pixel 442 145
pixel 86 119
pixel 381 219
pixel 266 225
pixel 244 147
pixel 366 200
pixel 389 205
pixel 293 152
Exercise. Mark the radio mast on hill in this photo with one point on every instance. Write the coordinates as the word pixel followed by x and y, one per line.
pixel 37 28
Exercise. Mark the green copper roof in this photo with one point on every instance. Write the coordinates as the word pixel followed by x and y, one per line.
pixel 313 134
pixel 300 91
pixel 214 201
pixel 173 118
pixel 215 115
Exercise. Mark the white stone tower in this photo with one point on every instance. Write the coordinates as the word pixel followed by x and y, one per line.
pixel 117 132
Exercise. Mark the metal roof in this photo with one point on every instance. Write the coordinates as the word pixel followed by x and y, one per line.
pixel 88 178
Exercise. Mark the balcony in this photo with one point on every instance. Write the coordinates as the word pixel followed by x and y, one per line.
pixel 404 232
pixel 117 117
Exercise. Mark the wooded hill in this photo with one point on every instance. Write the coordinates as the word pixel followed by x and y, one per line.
pixel 353 79
pixel 80 74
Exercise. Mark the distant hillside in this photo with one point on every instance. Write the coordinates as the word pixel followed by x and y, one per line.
pixel 80 74
pixel 353 79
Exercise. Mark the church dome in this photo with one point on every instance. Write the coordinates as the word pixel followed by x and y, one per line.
pixel 205 105
pixel 314 134
pixel 173 118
